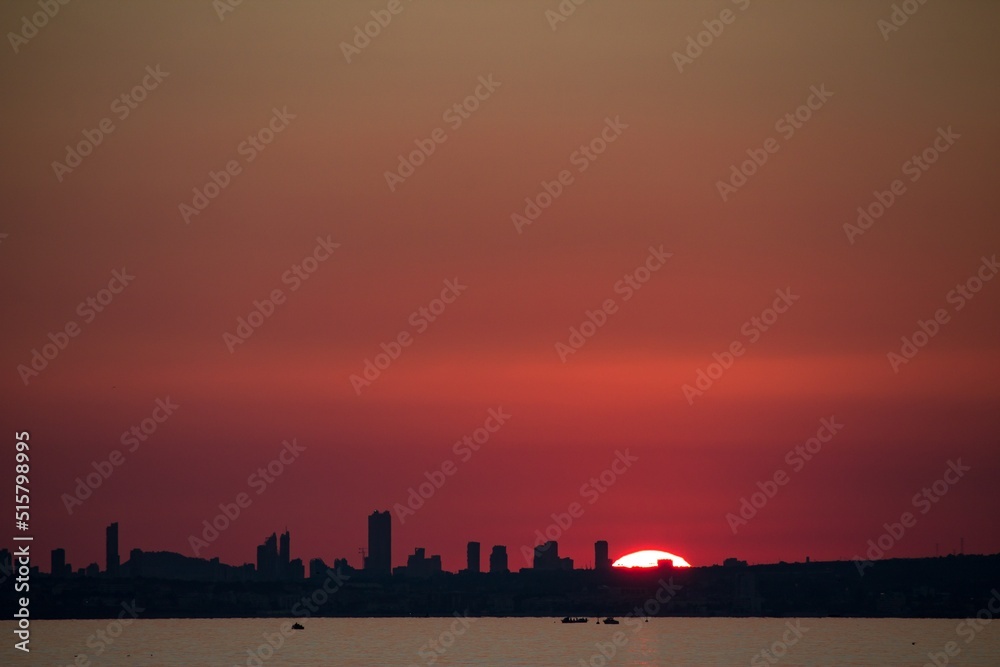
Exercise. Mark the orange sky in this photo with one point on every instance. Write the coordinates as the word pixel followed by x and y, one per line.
pixel 656 184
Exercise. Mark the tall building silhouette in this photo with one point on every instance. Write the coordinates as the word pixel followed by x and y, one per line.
pixel 112 561
pixel 267 558
pixel 284 556
pixel 498 560
pixel 379 559
pixel 547 558
pixel 472 557
pixel 601 561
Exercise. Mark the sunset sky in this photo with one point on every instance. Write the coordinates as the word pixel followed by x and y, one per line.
pixel 669 138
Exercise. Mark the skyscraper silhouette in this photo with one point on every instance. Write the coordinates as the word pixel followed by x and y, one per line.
pixel 472 557
pixel 601 561
pixel 379 560
pixel 284 556
pixel 498 560
pixel 267 558
pixel 112 560
pixel 547 558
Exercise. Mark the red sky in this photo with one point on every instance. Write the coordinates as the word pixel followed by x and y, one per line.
pixel 495 345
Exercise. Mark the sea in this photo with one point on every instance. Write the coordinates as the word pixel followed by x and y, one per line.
pixel 499 642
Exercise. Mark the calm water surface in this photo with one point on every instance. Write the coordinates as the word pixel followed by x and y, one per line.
pixel 500 642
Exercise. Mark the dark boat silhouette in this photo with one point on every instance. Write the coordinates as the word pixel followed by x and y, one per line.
pixel 610 621
pixel 298 626
pixel 574 620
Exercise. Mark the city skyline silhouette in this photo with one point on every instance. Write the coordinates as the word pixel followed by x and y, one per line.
pixel 360 315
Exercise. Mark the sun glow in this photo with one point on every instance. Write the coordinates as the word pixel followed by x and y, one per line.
pixel 648 558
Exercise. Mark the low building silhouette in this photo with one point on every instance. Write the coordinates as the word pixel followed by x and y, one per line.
pixel 178 567
pixel 419 565
pixel 472 557
pixel 317 568
pixel 498 560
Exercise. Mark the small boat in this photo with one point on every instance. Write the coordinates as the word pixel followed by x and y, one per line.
pixel 574 620
pixel 298 626
pixel 610 621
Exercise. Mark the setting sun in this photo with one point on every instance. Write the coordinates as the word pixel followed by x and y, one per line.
pixel 649 558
